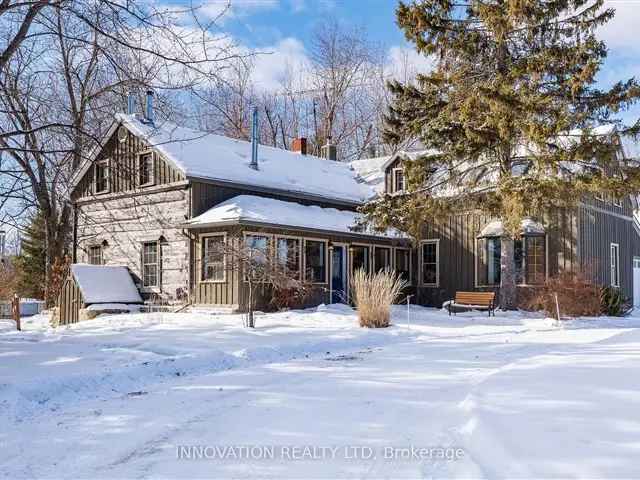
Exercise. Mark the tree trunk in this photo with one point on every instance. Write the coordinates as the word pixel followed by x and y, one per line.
pixel 507 275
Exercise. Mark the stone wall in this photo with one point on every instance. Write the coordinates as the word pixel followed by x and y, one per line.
pixel 121 223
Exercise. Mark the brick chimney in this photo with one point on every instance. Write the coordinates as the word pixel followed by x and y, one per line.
pixel 299 145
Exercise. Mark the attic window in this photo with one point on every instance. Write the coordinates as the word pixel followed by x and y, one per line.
pixel 145 169
pixel 398 180
pixel 102 177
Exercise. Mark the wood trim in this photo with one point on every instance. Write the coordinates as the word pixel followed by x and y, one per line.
pixel 421 263
pixel 383 247
pixel 181 185
pixel 617 264
pixel 605 211
pixel 107 164
pixel 199 260
pixel 154 160
pixel 300 247
pixel 326 259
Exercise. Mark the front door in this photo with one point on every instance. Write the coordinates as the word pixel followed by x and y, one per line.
pixel 339 274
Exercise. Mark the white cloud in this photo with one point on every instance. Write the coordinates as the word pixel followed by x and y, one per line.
pixel 272 66
pixel 621 33
pixel 223 10
pixel 405 62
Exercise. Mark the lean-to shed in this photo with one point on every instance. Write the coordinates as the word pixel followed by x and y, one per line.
pixel 96 287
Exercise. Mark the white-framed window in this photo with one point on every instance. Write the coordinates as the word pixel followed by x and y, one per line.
pixel 398 179
pixel 213 258
pixel 94 255
pixel 289 254
pixel 381 258
pixel 360 257
pixel 101 176
pixel 146 169
pixel 430 262
pixel 615 265
pixel 402 263
pixel 151 264
pixel 315 260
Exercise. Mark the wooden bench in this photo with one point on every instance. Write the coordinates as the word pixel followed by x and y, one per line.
pixel 474 301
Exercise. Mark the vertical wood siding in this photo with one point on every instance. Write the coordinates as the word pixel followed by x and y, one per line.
pixel 70 301
pixel 123 167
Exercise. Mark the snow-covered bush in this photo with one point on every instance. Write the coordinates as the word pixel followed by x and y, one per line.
pixel 373 295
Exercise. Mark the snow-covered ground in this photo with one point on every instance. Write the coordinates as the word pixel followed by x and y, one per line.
pixel 125 396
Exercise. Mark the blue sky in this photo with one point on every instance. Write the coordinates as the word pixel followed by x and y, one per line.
pixel 284 27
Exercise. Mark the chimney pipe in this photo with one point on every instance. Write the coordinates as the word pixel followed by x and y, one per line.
pixel 148 114
pixel 299 145
pixel 254 139
pixel 131 104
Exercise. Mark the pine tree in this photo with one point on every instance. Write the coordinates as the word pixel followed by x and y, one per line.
pixel 512 110
pixel 31 261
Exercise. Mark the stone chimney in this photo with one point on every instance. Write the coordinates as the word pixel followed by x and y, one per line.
pixel 329 151
pixel 299 145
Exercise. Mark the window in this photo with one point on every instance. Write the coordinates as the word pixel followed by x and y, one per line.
pixel 430 253
pixel 615 265
pixel 398 180
pixel 288 253
pixel 359 258
pixel 145 169
pixel 150 264
pixel 258 246
pixel 213 259
pixel 102 177
pixel 315 261
pixel 403 263
pixel 95 255
pixel 529 255
pixel 381 258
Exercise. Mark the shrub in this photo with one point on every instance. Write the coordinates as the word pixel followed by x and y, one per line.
pixel 577 296
pixel 612 302
pixel 373 295
pixel 291 294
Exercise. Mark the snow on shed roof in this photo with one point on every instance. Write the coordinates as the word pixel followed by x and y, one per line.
pixel 215 157
pixel 105 284
pixel 249 208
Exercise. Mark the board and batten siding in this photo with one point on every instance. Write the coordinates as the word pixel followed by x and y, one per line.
pixel 70 301
pixel 122 158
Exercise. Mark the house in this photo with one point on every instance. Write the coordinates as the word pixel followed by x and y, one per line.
pixel 159 198
pixel 600 236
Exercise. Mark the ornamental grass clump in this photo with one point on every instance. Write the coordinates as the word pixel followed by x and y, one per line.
pixel 373 295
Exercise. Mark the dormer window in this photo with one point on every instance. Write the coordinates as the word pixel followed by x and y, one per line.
pixel 145 169
pixel 398 184
pixel 102 176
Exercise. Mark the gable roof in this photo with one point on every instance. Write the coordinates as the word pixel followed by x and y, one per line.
pixel 213 157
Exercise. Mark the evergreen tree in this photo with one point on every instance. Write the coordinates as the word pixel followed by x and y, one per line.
pixel 31 260
pixel 512 110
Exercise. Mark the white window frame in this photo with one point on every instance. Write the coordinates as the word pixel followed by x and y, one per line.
pixel 615 263
pixel 152 175
pixel 101 248
pixel 394 174
pixel 269 252
pixel 107 177
pixel 203 243
pixel 300 245
pixel 326 259
pixel 435 241
pixel 408 250
pixel 156 287
pixel 382 247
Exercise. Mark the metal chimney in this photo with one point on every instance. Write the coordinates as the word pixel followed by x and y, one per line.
pixel 254 139
pixel 131 104
pixel 148 114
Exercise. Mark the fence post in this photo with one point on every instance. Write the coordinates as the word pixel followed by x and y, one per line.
pixel 15 307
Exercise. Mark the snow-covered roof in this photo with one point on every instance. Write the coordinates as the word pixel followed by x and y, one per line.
pixel 528 227
pixel 215 157
pixel 371 171
pixel 105 284
pixel 249 208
